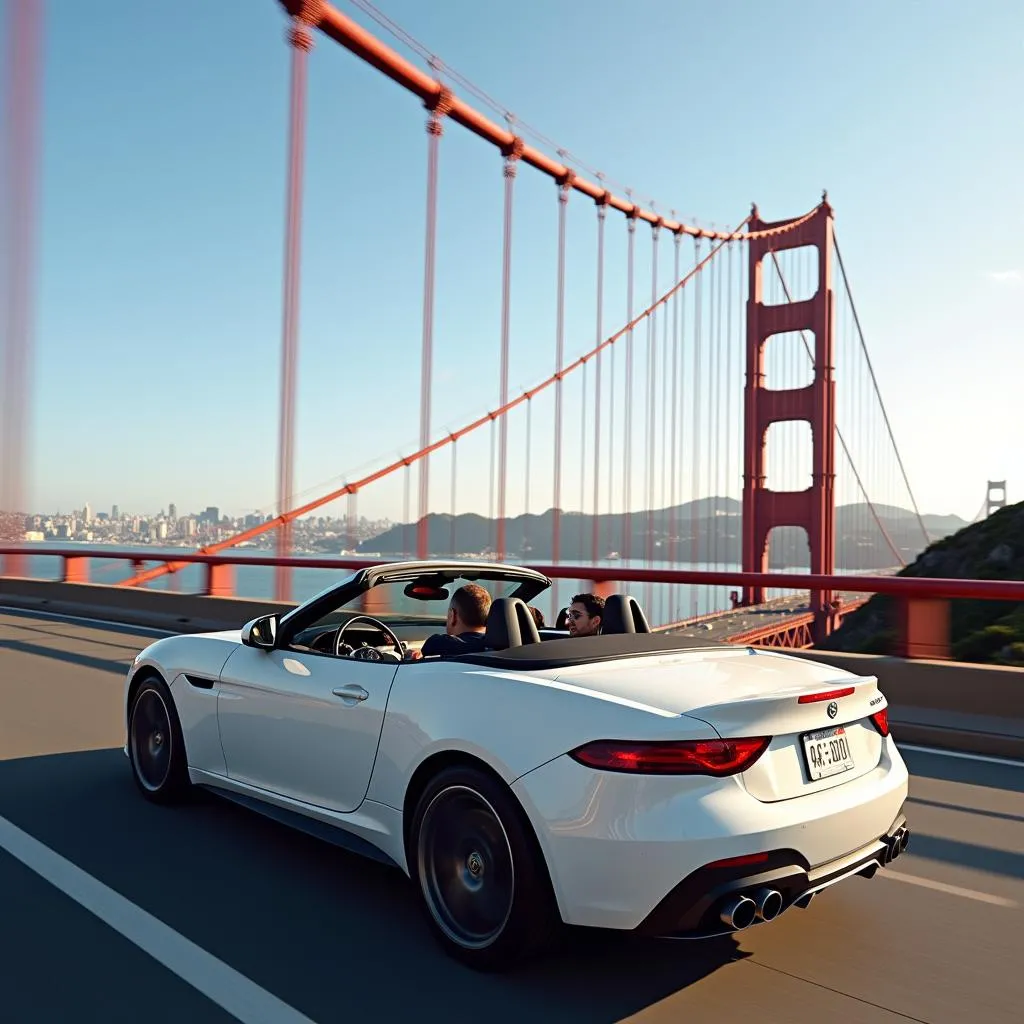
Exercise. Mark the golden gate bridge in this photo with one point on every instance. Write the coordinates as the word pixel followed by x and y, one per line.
pixel 730 408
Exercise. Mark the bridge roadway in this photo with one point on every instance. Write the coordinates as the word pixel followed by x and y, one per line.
pixel 97 931
pixel 740 620
pixel 771 613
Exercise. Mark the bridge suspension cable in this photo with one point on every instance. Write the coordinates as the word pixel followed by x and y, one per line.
pixel 490 418
pixel 878 393
pixel 839 433
pixel 19 158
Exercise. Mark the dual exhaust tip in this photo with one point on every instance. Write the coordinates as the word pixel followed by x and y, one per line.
pixel 741 912
pixel 896 844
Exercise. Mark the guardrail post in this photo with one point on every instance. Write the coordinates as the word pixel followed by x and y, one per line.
pixel 923 625
pixel 75 570
pixel 220 580
pixel 603 589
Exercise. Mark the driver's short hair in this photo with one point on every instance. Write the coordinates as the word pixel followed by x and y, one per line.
pixel 472 603
pixel 593 604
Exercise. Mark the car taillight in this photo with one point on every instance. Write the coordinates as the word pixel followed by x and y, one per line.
pixel 678 757
pixel 880 720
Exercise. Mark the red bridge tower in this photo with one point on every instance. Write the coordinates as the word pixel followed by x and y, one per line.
pixel 814 507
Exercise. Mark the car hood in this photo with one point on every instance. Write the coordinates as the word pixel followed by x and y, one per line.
pixel 202 653
pixel 233 635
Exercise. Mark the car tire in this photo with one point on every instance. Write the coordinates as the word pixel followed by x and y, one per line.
pixel 156 747
pixel 480 872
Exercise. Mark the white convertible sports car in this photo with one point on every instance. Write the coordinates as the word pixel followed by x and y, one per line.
pixel 632 780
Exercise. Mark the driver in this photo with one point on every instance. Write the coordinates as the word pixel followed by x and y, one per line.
pixel 464 628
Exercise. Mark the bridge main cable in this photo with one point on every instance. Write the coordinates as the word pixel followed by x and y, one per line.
pixel 367 47
pixel 449 439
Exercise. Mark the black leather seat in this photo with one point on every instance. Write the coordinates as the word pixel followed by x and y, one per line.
pixel 562 621
pixel 622 614
pixel 509 624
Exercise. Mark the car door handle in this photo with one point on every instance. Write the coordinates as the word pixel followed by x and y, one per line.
pixel 350 692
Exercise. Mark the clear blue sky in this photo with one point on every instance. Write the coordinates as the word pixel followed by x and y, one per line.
pixel 159 299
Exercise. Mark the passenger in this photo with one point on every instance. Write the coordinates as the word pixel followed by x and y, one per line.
pixel 585 614
pixel 538 616
pixel 464 629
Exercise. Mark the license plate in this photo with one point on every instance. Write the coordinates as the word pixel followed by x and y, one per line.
pixel 827 752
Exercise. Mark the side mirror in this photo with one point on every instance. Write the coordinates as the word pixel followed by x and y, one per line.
pixel 261 632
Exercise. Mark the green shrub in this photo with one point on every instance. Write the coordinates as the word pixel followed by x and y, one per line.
pixel 983 644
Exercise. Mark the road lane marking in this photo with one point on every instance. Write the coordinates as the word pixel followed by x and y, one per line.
pixel 953 890
pixel 225 986
pixel 110 625
pixel 987 758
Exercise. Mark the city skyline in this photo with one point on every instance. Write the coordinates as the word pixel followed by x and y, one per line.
pixel 172 511
pixel 708 531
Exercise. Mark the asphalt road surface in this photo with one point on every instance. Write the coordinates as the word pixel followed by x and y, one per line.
pixel 116 910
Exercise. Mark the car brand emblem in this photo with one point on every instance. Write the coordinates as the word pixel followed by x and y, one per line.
pixel 832 709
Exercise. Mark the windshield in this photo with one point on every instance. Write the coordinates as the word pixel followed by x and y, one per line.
pixel 420 599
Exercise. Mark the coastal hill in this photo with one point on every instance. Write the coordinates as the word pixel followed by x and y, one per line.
pixel 714 521
pixel 982 631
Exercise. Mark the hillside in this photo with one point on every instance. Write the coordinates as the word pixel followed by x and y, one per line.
pixel 982 631
pixel 714 521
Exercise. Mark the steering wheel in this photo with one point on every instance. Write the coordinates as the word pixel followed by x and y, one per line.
pixel 369 653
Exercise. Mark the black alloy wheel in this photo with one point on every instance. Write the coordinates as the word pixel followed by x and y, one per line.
pixel 156 748
pixel 480 871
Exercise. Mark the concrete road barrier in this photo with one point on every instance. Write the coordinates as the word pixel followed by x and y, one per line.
pixel 958 706
pixel 950 704
pixel 181 613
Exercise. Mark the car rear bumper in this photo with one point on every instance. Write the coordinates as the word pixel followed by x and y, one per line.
pixel 710 901
pixel 631 852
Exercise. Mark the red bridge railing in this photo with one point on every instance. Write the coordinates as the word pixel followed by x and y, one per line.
pixel 922 625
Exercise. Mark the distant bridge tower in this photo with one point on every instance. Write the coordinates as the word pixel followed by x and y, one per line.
pixel 814 507
pixel 992 502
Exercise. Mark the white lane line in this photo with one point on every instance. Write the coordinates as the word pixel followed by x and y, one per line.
pixel 988 759
pixel 220 983
pixel 953 890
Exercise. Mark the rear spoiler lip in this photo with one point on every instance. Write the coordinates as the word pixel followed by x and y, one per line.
pixel 776 700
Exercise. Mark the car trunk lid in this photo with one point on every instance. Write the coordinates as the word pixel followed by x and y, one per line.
pixel 818 716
